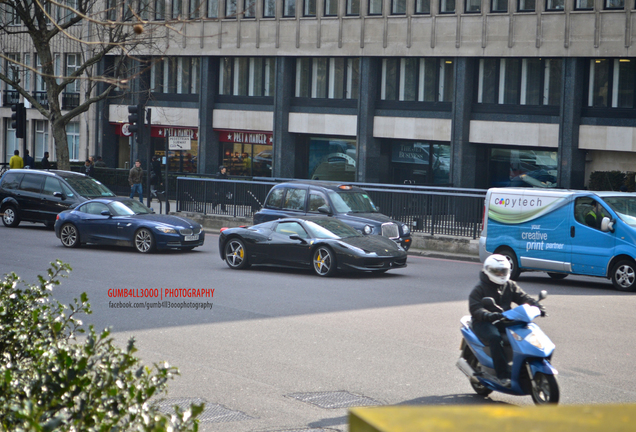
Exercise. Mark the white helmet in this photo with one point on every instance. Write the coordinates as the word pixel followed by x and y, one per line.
pixel 497 268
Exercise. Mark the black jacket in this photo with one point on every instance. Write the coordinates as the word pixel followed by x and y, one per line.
pixel 503 295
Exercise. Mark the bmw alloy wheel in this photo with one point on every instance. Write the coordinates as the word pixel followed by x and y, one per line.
pixel 69 236
pixel 144 242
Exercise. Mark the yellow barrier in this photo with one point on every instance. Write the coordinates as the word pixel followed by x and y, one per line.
pixel 567 418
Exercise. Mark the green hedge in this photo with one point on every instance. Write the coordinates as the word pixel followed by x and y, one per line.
pixel 611 181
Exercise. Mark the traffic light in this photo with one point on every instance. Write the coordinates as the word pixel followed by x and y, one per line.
pixel 135 118
pixel 19 122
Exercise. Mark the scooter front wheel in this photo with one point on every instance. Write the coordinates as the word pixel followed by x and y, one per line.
pixel 545 389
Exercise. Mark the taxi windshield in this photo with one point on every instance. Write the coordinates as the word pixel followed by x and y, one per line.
pixel 352 202
pixel 331 229
pixel 625 208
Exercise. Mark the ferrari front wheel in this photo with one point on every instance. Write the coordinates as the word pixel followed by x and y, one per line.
pixel 235 254
pixel 324 261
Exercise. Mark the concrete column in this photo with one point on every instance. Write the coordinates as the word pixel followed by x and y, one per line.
pixel 463 153
pixel 284 147
pixel 369 161
pixel 209 147
pixel 571 159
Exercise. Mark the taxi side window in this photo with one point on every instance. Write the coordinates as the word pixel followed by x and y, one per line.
pixel 295 199
pixel 275 198
pixel 291 228
pixel 316 200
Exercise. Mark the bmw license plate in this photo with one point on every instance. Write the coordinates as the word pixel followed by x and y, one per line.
pixel 192 237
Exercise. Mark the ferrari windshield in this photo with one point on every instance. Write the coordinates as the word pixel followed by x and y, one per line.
pixel 331 229
pixel 352 202
pixel 625 208
pixel 129 208
pixel 88 187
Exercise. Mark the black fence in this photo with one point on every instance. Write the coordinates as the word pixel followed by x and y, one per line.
pixel 432 210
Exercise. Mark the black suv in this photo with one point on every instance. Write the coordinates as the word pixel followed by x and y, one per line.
pixel 38 196
pixel 350 204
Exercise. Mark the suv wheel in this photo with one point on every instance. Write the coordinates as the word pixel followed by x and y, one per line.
pixel 10 217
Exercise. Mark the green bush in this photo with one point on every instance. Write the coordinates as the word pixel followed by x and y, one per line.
pixel 607 181
pixel 52 380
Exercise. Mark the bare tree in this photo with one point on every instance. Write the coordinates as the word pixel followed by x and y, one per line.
pixel 93 29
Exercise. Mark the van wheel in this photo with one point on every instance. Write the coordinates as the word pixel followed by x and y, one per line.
pixel 624 275
pixel 10 217
pixel 512 259
pixel 558 276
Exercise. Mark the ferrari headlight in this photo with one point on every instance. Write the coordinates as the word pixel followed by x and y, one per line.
pixel 533 340
pixel 368 229
pixel 405 229
pixel 166 230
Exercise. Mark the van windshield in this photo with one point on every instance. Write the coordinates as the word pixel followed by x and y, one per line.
pixel 352 202
pixel 625 208
pixel 88 187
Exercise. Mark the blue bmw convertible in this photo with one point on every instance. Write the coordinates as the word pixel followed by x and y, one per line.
pixel 126 222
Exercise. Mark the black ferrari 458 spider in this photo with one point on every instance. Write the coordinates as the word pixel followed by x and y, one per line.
pixel 322 243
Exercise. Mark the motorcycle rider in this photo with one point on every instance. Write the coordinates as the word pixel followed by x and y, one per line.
pixel 494 281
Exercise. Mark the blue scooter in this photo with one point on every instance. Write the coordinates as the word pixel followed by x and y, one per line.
pixel 527 349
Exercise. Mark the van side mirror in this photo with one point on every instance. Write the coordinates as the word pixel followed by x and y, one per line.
pixel 59 195
pixel 607 225
pixel 324 209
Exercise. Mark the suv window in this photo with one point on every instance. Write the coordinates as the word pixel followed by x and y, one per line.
pixel 11 180
pixel 295 199
pixel 32 183
pixel 275 198
pixel 51 185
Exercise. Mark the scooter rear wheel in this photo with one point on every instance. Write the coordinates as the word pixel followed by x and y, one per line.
pixel 545 389
pixel 480 389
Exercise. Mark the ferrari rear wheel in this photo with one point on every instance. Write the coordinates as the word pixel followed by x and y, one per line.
pixel 69 236
pixel 235 254
pixel 144 241
pixel 324 261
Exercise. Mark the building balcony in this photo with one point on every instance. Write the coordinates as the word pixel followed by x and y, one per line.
pixel 42 98
pixel 70 100
pixel 10 97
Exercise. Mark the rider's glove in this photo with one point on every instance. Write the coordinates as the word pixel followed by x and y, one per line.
pixel 543 312
pixel 494 316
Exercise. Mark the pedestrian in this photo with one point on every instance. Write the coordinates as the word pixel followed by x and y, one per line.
pixel 16 161
pixel 87 168
pixel 220 195
pixel 155 175
pixel 100 163
pixel 45 161
pixel 29 162
pixel 134 179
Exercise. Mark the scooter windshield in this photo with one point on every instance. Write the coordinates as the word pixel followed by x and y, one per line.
pixel 524 313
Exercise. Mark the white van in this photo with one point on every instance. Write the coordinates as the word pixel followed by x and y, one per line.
pixel 563 232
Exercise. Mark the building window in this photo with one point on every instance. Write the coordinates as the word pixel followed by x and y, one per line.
pixel 73 135
pixel 177 7
pixel 269 8
pixel 195 8
pixel 447 6
pixel 417 79
pixel 522 168
pixel 41 138
pixel 111 10
pixel 175 75
pixel 12 18
pixel 473 6
pixel 612 83
pixel 500 6
pixel 144 9
pixel 12 143
pixel 249 9
pixel 230 8
pixel 554 5
pixel 331 7
pixel 213 9
pixel 160 10
pixel 332 159
pixel 375 7
pixel 73 63
pixel 327 77
pixel 584 5
pixel 515 81
pixel 12 69
pixel 527 5
pixel 614 4
pixel 421 163
pixel 289 8
pixel 247 76
pixel 353 7
pixel 40 85
pixel 309 8
pixel 398 7
pixel 128 11
pixel 422 6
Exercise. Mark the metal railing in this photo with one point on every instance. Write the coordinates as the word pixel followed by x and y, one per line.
pixel 431 210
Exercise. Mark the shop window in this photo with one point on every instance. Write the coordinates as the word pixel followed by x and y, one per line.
pixel 417 79
pixel 423 6
pixel 331 7
pixel 499 6
pixel 614 4
pixel 526 6
pixel 421 163
pixel 447 6
pixel 398 7
pixel 473 6
pixel 247 76
pixel 375 7
pixel 309 8
pixel 353 7
pixel 584 5
pixel 532 81
pixel 269 8
pixel 523 168
pixel 327 77
pixel 247 160
pixel 332 159
pixel 554 5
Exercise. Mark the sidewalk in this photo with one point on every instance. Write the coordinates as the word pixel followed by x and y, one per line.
pixel 449 247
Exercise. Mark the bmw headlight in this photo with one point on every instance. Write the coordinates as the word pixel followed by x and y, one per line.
pixel 166 230
pixel 368 229
pixel 405 229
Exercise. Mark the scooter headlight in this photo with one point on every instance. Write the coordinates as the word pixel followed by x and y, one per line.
pixel 533 340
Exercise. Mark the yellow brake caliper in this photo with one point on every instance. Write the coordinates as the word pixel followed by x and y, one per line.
pixel 319 261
